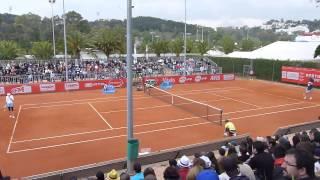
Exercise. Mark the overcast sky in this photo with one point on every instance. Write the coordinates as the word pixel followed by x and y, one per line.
pixel 211 13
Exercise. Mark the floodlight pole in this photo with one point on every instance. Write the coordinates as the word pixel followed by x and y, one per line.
pixel 185 35
pixel 53 39
pixel 129 83
pixel 65 41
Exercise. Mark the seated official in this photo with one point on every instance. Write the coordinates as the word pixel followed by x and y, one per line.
pixel 230 129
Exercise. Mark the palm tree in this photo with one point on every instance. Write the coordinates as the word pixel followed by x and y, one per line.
pixel 317 52
pixel 42 50
pixel 177 46
pixel 8 50
pixel 75 41
pixel 106 41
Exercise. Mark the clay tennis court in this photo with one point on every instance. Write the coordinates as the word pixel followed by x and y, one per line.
pixel 56 131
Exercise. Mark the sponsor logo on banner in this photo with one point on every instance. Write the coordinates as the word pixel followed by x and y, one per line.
pixel 94 84
pixel 47 87
pixel 88 85
pixel 197 79
pixel 215 78
pixel 116 83
pixel 182 79
pixel 169 79
pixel 71 86
pixel 2 91
pixel 284 74
pixel 293 75
pixel 227 77
pixel 21 90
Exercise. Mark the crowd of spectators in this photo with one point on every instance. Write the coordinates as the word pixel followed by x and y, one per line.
pixel 269 158
pixel 55 70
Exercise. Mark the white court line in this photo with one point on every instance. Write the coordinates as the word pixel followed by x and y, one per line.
pixel 78 100
pixel 14 129
pixel 243 102
pixel 275 112
pixel 155 107
pixel 100 115
pixel 104 130
pixel 145 132
pixel 104 138
pixel 111 100
pixel 147 124
pixel 262 108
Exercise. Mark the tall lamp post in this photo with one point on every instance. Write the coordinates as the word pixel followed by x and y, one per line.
pixel 65 41
pixel 185 34
pixel 53 39
pixel 129 82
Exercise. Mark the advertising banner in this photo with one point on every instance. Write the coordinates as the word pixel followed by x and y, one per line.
pixel 191 78
pixel 300 75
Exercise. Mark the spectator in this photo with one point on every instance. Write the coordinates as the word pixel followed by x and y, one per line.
pixel 100 175
pixel 317 163
pixel 113 175
pixel 171 173
pixel 184 165
pixel 150 177
pixel 148 170
pixel 262 162
pixel 138 174
pixel 197 166
pixel 299 164
pixel 206 174
pixel 229 164
pixel 214 162
pixel 124 176
pixel 173 163
pixel 244 155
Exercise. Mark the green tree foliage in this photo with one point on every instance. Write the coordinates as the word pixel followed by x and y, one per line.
pixel 317 52
pixel 111 41
pixel 75 22
pixel 202 47
pixel 8 50
pixel 75 42
pixel 247 45
pixel 176 46
pixel 227 44
pixel 160 46
pixel 42 50
pixel 190 45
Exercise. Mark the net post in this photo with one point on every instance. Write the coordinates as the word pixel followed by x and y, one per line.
pixel 172 100
pixel 221 117
pixel 208 113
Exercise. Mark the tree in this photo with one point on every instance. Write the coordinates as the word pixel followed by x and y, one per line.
pixel 317 52
pixel 42 50
pixel 159 46
pixel 190 44
pixel 203 47
pixel 8 50
pixel 75 41
pixel 227 44
pixel 247 45
pixel 106 41
pixel 176 46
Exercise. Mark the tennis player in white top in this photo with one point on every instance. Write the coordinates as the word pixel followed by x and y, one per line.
pixel 10 104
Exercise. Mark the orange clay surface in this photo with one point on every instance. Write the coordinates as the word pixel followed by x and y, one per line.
pixel 56 131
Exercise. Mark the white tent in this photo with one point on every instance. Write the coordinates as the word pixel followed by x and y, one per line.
pixel 282 50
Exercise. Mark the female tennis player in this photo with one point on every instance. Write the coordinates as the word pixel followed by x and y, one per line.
pixel 309 88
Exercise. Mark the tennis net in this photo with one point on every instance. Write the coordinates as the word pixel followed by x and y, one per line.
pixel 199 109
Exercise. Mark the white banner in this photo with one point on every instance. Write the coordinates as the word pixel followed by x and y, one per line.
pixel 47 87
pixel 72 86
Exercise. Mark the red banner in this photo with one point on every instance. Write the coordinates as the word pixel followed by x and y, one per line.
pixel 60 86
pixel 98 84
pixel 191 78
pixel 300 75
